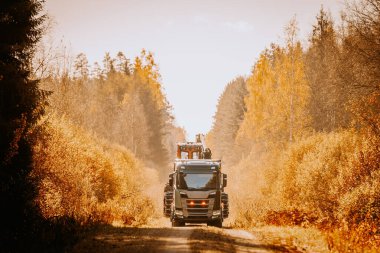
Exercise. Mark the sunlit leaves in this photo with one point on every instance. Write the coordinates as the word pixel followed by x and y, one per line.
pixel 278 96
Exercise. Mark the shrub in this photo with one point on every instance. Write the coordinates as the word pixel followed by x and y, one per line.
pixel 89 179
pixel 328 180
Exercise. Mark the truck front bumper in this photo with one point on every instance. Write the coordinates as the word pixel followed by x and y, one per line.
pixel 197 219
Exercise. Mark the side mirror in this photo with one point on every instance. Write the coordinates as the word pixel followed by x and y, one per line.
pixel 171 180
pixel 224 180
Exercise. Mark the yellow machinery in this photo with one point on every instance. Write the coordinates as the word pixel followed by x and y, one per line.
pixel 194 150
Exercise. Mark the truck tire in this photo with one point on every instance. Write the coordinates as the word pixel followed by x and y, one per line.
pixel 176 223
pixel 168 200
pixel 217 223
pixel 226 208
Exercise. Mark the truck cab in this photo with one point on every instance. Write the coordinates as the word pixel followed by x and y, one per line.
pixel 195 193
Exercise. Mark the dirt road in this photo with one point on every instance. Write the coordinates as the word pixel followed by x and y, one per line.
pixel 185 239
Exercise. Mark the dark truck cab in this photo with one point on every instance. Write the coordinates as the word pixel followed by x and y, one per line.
pixel 195 193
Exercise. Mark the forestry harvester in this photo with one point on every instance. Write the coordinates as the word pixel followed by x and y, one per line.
pixel 195 191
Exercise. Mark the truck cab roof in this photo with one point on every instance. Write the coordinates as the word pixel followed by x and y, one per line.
pixel 195 163
pixel 198 161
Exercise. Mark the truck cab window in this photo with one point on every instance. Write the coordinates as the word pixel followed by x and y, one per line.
pixel 194 181
pixel 184 155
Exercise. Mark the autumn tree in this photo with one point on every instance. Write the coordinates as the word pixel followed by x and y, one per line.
pixel 278 95
pixel 308 144
pixel 155 106
pixel 362 44
pixel 291 77
pixel 127 105
pixel 360 65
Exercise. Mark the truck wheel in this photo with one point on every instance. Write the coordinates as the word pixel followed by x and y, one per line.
pixel 224 198
pixel 176 223
pixel 218 223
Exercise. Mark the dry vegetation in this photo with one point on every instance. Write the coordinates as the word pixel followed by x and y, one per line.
pixel 104 142
pixel 90 179
pixel 303 146
pixel 327 180
pixel 299 136
pixel 120 101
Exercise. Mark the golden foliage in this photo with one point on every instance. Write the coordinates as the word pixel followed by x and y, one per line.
pixel 327 180
pixel 147 70
pixel 278 98
pixel 122 103
pixel 88 178
pixel 307 150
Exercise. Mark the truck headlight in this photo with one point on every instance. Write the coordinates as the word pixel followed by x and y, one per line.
pixel 179 212
pixel 216 213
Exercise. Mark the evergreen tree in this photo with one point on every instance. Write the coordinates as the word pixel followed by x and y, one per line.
pixel 362 47
pixel 81 66
pixel 108 64
pixel 20 107
pixel 327 95
pixel 228 117
pixel 96 71
pixel 122 64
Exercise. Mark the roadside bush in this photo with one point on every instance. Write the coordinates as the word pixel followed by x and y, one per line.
pixel 89 179
pixel 326 180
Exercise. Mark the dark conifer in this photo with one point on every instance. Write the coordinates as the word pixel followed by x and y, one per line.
pixel 20 107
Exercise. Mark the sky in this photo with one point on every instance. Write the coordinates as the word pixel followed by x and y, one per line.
pixel 199 45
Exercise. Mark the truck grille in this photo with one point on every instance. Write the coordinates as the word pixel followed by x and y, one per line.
pixel 197 207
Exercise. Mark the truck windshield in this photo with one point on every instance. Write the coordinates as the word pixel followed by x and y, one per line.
pixel 192 181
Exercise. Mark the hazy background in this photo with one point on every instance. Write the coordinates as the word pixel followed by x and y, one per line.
pixel 199 45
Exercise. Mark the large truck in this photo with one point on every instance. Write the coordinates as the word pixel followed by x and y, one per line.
pixel 195 191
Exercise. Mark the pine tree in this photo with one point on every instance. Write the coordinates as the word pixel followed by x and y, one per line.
pixel 81 66
pixel 327 97
pixel 20 107
pixel 228 117
pixel 108 64
pixel 122 64
pixel 361 44
pixel 96 71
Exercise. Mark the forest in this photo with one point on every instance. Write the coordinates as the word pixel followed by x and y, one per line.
pixel 84 145
pixel 81 145
pixel 300 134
